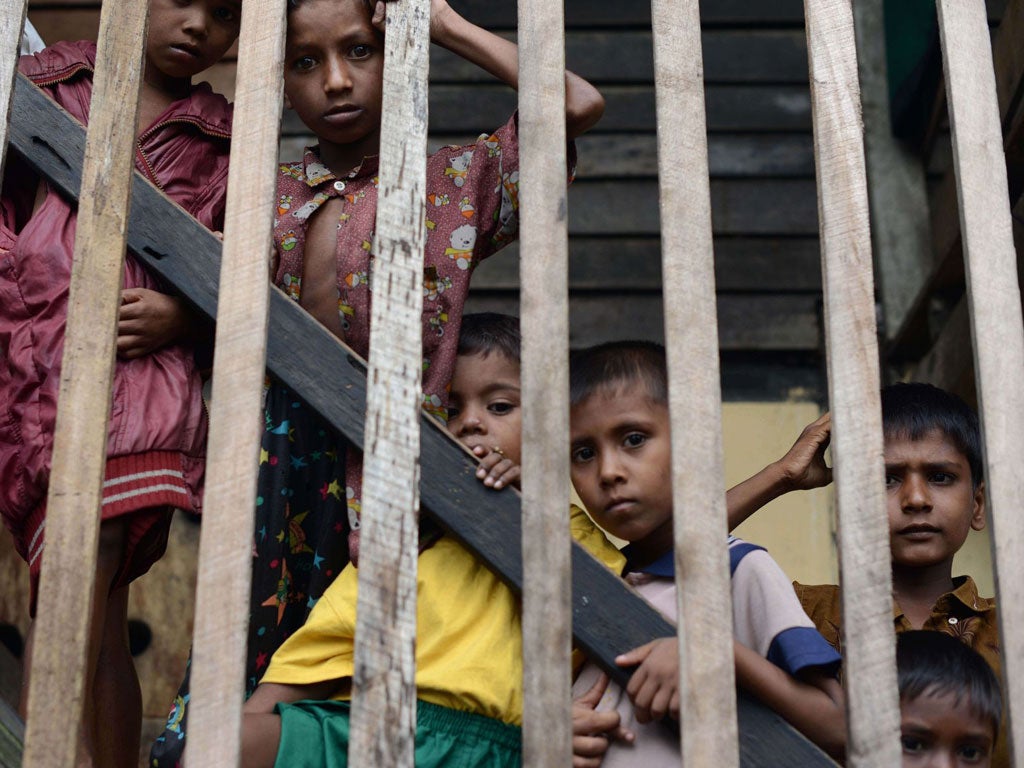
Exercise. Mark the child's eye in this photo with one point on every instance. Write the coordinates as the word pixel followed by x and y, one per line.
pixel 500 408
pixel 581 455
pixel 635 439
pixel 225 14
pixel 972 753
pixel 452 412
pixel 303 63
pixel 912 744
pixel 360 52
pixel 891 481
pixel 942 478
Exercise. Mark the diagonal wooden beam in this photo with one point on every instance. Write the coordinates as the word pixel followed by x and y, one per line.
pixel 608 617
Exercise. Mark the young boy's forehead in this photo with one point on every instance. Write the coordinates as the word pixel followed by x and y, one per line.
pixel 933 446
pixel 350 15
pixel 614 404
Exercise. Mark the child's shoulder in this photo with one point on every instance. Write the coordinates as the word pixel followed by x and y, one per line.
pixel 59 60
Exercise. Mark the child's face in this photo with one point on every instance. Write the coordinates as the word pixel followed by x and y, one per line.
pixel 334 71
pixel 484 407
pixel 188 36
pixel 621 465
pixel 930 499
pixel 935 731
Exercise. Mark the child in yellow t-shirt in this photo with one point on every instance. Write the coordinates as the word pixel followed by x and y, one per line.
pixel 469 637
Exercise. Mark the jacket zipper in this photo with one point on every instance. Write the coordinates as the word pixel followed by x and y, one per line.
pixel 149 131
pixel 154 128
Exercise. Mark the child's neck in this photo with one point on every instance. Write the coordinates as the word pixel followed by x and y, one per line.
pixel 158 92
pixel 917 589
pixel 342 158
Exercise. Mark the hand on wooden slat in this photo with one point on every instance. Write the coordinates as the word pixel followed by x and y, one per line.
pixel 149 320
pixel 496 470
pixel 654 686
pixel 592 731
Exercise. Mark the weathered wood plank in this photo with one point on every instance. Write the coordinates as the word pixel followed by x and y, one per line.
pixel 626 56
pixel 607 616
pixel 225 546
pixel 629 108
pixel 634 155
pixel 543 232
pixel 67 583
pixel 759 265
pixel 384 695
pixel 707 699
pixel 865 571
pixel 738 207
pixel 998 330
pixel 779 322
pixel 12 19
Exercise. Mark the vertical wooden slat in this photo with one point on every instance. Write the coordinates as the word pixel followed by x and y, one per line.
pixel 850 332
pixel 708 731
pixel 547 622
pixel 996 324
pixel 384 714
pixel 225 547
pixel 12 19
pixel 80 442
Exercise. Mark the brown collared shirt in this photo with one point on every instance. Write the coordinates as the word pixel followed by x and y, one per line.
pixel 962 613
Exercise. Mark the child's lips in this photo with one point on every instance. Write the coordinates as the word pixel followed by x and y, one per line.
pixel 343 114
pixel 618 506
pixel 918 532
pixel 187 49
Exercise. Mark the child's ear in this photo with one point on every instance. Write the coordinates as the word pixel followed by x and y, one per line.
pixel 978 515
pixel 287 101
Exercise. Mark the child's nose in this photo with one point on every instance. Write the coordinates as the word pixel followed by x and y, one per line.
pixel 915 493
pixel 611 469
pixel 471 424
pixel 338 76
pixel 195 20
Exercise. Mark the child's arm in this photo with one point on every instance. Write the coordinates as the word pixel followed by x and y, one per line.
pixel 802 468
pixel 813 705
pixel 584 105
pixel 261 726
pixel 592 730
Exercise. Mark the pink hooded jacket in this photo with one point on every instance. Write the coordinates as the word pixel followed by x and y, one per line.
pixel 157 433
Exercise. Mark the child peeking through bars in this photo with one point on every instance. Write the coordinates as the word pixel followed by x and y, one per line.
pixel 469 666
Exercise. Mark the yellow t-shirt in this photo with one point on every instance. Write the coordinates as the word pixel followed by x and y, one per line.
pixel 469 650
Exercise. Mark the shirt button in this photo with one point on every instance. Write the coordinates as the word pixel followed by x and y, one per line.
pixel 339 186
pixel 953 620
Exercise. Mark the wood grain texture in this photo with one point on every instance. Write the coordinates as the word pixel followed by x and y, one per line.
pixel 225 546
pixel 850 332
pixel 384 701
pixel 996 324
pixel 544 321
pixel 706 673
pixel 67 582
pixel 12 19
pixel 608 616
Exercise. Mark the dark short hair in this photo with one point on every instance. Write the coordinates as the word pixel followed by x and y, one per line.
pixel 912 410
pixel 293 4
pixel 933 664
pixel 485 332
pixel 615 363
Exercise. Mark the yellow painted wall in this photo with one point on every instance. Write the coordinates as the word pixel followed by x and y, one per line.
pixel 796 529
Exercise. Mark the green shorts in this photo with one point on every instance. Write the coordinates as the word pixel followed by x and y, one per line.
pixel 315 734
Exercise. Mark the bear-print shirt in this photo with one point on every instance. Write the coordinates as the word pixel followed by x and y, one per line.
pixel 472 212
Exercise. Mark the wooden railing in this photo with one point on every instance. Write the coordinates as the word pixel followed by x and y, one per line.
pixel 606 617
